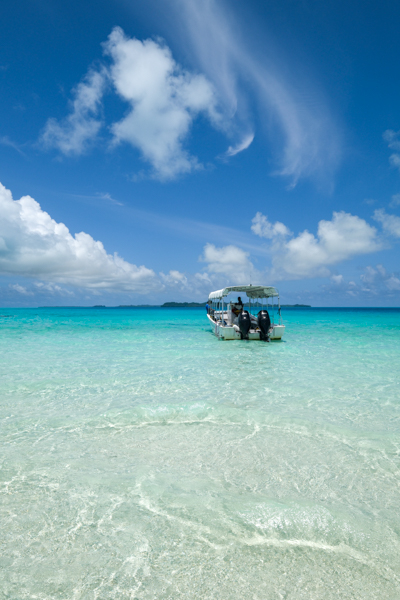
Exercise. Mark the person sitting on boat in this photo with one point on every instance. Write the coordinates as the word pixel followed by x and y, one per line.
pixel 210 309
pixel 237 307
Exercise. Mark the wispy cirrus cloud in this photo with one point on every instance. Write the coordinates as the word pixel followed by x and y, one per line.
pixel 5 141
pixel 240 146
pixel 165 99
pixel 308 142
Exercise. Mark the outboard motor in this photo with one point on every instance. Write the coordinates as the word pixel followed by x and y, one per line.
pixel 264 323
pixel 244 323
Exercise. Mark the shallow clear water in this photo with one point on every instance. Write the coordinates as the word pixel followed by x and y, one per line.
pixel 142 458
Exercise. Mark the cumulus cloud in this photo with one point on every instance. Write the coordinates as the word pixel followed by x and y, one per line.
pixel 374 281
pixel 73 134
pixel 371 274
pixel 175 279
pixel 230 261
pixel 263 228
pixel 33 245
pixel 390 223
pixel 164 100
pixel 377 279
pixel 307 255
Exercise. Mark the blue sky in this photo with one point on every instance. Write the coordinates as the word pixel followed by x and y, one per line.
pixel 154 151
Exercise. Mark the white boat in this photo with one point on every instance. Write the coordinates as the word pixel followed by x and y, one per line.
pixel 230 320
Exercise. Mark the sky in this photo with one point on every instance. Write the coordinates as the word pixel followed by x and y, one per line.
pixel 157 150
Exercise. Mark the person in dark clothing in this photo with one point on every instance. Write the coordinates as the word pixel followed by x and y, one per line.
pixel 237 307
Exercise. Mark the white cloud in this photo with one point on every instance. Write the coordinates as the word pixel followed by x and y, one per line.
pixel 230 261
pixel 308 138
pixel 175 279
pixel 41 287
pixel 263 228
pixel 390 223
pixel 393 283
pixel 376 280
pixel 109 198
pixel 296 257
pixel 306 255
pixel 5 141
pixel 337 279
pixel 164 101
pixel 393 140
pixel 203 278
pixel 33 245
pixel 395 201
pixel 372 274
pixel 20 289
pixel 240 146
pixel 73 134
pixel 394 160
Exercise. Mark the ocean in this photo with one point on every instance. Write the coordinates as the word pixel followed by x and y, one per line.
pixel 142 458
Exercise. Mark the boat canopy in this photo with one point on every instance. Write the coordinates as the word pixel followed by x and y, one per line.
pixel 252 291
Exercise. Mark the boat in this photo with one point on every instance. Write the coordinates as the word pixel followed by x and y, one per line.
pixel 261 320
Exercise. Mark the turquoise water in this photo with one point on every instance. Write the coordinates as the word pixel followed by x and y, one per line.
pixel 141 458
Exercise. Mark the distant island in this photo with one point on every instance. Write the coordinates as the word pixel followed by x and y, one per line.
pixel 197 305
pixel 202 304
pixel 296 306
pixel 183 304
pixel 170 305
pixel 165 305
pixel 138 306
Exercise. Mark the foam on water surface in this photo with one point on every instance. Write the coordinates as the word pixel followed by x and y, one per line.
pixel 142 458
